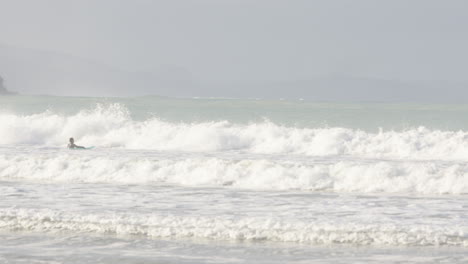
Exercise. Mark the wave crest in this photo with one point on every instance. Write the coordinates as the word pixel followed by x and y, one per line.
pixel 363 176
pixel 112 126
pixel 227 228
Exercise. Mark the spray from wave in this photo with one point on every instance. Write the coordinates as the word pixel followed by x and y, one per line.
pixel 112 127
pixel 359 175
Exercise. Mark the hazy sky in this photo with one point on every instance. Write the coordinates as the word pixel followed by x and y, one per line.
pixel 251 40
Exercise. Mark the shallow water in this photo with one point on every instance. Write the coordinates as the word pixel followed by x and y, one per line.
pixel 34 248
pixel 103 223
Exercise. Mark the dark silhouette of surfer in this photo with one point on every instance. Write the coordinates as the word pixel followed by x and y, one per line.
pixel 72 145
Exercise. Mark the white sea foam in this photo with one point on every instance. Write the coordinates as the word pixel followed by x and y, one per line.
pixel 366 176
pixel 112 127
pixel 160 178
pixel 230 228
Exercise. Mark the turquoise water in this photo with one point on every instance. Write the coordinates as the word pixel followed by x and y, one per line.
pixel 365 116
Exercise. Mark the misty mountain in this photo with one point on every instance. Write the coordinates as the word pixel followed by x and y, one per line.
pixel 348 88
pixel 342 88
pixel 3 89
pixel 43 72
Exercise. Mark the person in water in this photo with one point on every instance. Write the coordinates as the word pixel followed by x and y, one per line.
pixel 72 145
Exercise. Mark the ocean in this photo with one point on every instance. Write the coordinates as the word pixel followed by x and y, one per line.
pixel 213 180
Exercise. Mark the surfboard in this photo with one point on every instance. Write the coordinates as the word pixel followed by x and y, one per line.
pixel 83 148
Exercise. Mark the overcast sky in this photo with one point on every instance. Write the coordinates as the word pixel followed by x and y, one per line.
pixel 224 40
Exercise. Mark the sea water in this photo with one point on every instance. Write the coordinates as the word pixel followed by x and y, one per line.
pixel 232 181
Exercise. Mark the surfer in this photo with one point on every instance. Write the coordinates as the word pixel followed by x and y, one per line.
pixel 72 145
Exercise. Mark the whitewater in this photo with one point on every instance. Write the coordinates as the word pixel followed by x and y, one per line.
pixel 232 181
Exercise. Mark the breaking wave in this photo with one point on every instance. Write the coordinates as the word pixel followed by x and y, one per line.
pixel 112 127
pixel 229 228
pixel 359 175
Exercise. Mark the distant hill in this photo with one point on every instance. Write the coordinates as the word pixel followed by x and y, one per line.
pixel 3 89
pixel 43 72
pixel 340 88
pixel 348 88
